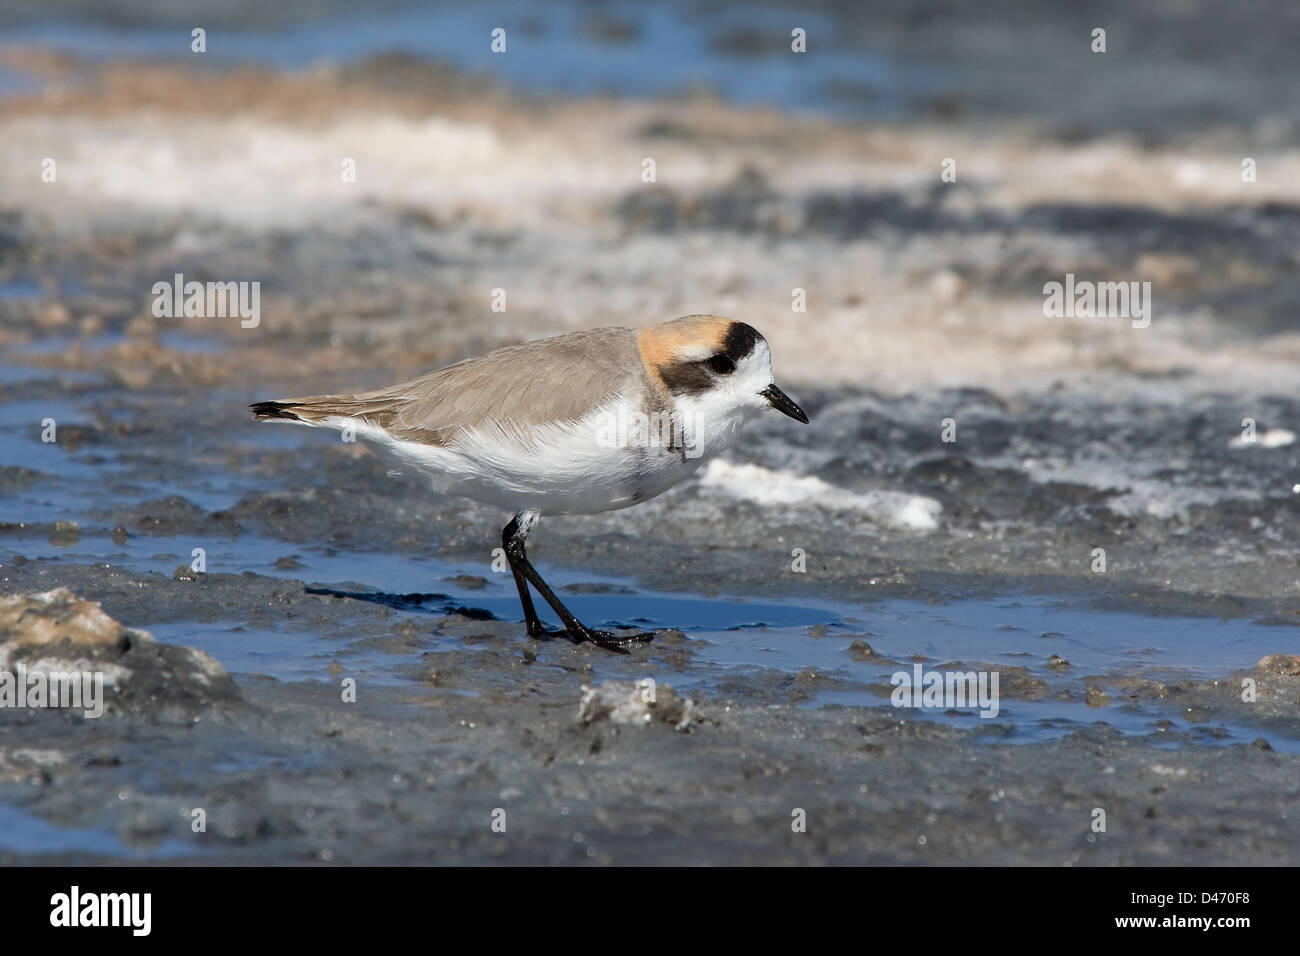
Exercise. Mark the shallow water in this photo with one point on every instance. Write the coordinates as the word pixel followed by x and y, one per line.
pixel 23 833
pixel 631 49
pixel 735 636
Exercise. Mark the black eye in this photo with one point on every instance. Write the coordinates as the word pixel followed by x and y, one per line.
pixel 722 365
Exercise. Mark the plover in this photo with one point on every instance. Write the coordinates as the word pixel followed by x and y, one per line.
pixel 576 424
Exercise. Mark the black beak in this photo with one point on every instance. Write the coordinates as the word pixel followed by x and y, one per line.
pixel 781 402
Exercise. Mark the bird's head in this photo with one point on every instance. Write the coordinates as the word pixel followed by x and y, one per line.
pixel 716 365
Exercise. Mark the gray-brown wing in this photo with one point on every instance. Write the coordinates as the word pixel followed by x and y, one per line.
pixel 555 379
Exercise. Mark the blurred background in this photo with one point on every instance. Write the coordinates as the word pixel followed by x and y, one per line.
pixel 774 170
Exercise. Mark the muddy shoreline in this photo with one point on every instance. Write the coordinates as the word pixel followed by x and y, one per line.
pixel 413 772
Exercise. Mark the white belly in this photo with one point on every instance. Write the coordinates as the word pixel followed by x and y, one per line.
pixel 577 468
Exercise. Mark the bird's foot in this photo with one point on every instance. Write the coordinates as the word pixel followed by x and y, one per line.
pixel 618 643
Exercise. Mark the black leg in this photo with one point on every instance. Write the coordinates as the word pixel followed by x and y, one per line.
pixel 512 538
pixel 535 627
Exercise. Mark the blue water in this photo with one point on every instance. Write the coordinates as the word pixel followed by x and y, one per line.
pixel 669 48
pixel 729 635
pixel 23 833
pixel 21 289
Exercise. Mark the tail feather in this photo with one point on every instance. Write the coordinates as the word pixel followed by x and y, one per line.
pixel 320 409
pixel 269 411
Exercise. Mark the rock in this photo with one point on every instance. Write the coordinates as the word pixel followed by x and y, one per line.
pixel 1017 683
pixel 60 633
pixel 1285 664
pixel 470 582
pixel 860 650
pixel 623 702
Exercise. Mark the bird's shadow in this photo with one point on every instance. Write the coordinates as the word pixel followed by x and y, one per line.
pixel 416 603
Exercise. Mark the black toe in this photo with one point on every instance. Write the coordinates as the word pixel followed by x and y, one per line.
pixel 619 642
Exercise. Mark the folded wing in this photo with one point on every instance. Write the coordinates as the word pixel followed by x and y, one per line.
pixel 551 380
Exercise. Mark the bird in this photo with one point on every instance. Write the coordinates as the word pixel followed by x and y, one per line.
pixel 579 423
